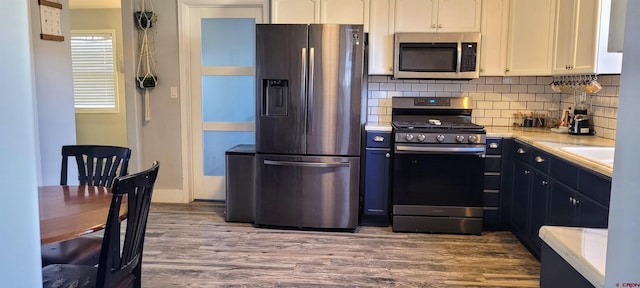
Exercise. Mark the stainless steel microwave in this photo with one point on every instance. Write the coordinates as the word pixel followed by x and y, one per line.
pixel 436 55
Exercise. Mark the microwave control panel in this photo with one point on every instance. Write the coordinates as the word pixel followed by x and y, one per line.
pixel 469 57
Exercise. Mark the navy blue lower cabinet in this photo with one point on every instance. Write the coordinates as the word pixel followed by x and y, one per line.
pixel 520 200
pixel 562 210
pixel 375 210
pixel 538 210
pixel 556 272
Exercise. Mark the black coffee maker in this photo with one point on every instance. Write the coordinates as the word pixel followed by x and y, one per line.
pixel 580 123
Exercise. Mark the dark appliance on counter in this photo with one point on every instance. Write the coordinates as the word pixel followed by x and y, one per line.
pixel 438 166
pixel 580 123
pixel 308 125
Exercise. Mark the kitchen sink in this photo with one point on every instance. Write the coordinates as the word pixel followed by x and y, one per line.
pixel 600 154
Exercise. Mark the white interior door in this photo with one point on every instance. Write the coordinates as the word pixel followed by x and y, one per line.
pixel 222 75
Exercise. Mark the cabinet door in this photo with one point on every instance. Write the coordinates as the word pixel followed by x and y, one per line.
pixel 564 35
pixel 459 15
pixel 345 12
pixel 520 200
pixel 295 11
pixel 381 37
pixel 529 48
pixel 494 29
pixel 562 211
pixel 575 36
pixel 592 214
pixel 376 184
pixel 537 217
pixel 416 15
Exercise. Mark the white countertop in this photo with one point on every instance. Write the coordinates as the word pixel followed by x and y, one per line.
pixel 378 126
pixel 585 249
pixel 551 142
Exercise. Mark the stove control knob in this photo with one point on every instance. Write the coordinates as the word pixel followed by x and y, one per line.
pixel 473 139
pixel 409 137
pixel 459 138
pixel 421 137
pixel 440 138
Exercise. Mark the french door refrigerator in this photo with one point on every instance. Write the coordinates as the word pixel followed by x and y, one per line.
pixel 308 125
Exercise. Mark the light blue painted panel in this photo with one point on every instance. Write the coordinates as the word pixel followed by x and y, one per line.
pixel 228 99
pixel 215 143
pixel 228 42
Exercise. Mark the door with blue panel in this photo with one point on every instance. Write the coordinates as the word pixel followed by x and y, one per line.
pixel 223 74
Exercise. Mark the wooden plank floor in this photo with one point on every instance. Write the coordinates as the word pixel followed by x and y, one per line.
pixel 190 245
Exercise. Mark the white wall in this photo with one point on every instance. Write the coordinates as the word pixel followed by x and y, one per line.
pixel 20 240
pixel 623 248
pixel 103 128
pixel 54 95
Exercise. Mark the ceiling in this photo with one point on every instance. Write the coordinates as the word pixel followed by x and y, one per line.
pixel 93 4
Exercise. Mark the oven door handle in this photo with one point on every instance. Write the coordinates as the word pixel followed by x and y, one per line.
pixel 479 150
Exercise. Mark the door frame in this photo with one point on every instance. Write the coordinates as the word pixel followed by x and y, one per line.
pixel 184 46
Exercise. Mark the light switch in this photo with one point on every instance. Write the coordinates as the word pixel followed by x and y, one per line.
pixel 174 92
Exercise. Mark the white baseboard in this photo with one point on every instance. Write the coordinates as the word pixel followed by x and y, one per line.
pixel 169 196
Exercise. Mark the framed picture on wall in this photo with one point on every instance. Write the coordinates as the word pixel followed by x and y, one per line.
pixel 50 20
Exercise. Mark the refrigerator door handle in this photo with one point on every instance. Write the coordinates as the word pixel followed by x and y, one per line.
pixel 312 62
pixel 303 80
pixel 307 164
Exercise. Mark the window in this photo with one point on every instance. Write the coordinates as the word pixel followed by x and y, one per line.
pixel 94 73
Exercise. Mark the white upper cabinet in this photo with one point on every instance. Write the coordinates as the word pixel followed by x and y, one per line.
pixel 530 38
pixel 345 12
pixel 575 37
pixel 494 31
pixel 581 27
pixel 320 12
pixel 295 11
pixel 381 37
pixel 437 15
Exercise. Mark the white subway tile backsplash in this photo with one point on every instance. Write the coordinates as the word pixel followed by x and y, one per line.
pixel 496 99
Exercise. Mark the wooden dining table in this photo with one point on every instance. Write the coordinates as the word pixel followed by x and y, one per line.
pixel 68 211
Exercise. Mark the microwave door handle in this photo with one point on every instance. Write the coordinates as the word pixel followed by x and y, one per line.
pixel 459 55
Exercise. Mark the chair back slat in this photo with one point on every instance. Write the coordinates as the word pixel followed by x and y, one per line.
pixel 98 165
pixel 116 263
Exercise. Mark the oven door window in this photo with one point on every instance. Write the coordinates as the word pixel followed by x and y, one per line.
pixel 428 57
pixel 438 179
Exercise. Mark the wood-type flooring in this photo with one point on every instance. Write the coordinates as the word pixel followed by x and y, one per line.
pixel 190 245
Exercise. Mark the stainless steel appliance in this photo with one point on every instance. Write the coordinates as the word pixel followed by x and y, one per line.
pixel 308 123
pixel 438 166
pixel 437 55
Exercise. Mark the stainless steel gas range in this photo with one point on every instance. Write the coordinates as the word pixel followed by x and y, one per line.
pixel 438 166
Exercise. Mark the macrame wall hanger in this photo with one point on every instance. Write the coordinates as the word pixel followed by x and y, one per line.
pixel 146 71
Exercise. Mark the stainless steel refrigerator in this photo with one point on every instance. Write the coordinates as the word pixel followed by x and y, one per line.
pixel 308 121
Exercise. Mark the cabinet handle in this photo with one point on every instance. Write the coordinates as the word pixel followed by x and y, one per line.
pixel 378 139
pixel 493 145
pixel 507 70
pixel 527 172
pixel 387 155
pixel 433 25
pixel 521 151
pixel 545 183
pixel 391 69
pixel 539 159
pixel 439 25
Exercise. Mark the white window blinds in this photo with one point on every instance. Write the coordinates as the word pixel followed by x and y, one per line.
pixel 94 74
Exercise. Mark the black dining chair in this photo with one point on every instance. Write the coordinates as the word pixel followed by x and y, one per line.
pixel 98 165
pixel 117 266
